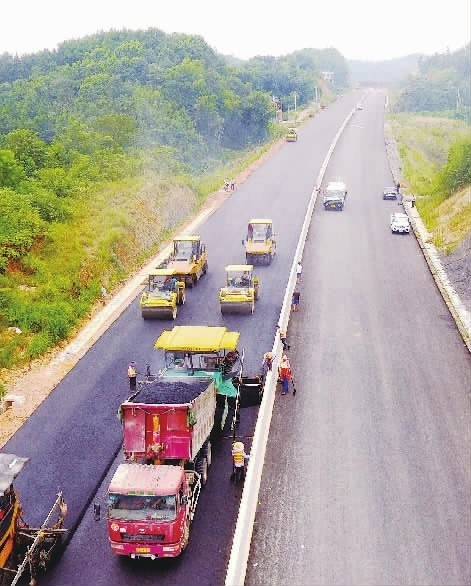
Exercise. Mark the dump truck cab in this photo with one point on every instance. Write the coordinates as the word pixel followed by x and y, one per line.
pixel 163 293
pixel 150 509
pixel 240 291
pixel 188 259
pixel 260 244
pixel 292 135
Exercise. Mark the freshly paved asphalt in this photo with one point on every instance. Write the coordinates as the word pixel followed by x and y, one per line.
pixel 74 438
pixel 367 475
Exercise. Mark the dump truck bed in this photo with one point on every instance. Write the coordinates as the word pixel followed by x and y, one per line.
pixel 169 418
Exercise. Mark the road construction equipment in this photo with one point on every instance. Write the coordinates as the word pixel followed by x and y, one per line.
pixel 240 291
pixel 163 294
pixel 188 259
pixel 260 244
pixel 25 551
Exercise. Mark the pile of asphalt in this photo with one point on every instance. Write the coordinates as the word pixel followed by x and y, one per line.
pixel 170 391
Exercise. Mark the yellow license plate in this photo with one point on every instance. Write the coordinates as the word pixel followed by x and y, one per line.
pixel 142 549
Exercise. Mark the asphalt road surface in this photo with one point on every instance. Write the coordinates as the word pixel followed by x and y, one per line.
pixel 73 440
pixel 367 475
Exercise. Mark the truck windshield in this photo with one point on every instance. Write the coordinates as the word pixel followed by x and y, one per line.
pixel 239 279
pixel 183 249
pixel 192 361
pixel 257 232
pixel 141 508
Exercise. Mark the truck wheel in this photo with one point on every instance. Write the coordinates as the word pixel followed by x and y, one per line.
pixel 205 268
pixel 249 259
pixel 202 468
pixel 195 280
pixel 186 536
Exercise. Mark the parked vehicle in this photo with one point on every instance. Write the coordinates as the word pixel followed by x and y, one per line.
pixel 25 551
pixel 334 195
pixel 163 294
pixel 188 259
pixel 260 243
pixel 169 424
pixel 400 223
pixel 390 193
pixel 240 291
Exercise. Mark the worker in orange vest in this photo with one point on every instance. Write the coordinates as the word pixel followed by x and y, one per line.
pixel 284 371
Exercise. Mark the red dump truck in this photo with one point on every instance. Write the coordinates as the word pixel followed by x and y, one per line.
pixel 152 497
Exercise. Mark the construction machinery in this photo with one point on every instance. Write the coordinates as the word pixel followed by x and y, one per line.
pixel 169 426
pixel 25 551
pixel 240 291
pixel 163 294
pixel 260 244
pixel 188 259
pixel 292 135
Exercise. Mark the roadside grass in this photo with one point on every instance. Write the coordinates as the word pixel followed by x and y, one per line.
pixel 423 143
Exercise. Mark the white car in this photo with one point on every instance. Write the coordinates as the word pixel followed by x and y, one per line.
pixel 400 223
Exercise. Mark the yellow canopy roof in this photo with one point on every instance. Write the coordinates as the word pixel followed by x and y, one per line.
pixel 197 339
pixel 261 221
pixel 162 272
pixel 239 268
pixel 189 238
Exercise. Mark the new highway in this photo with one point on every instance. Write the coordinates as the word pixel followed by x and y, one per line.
pixel 366 479
pixel 74 439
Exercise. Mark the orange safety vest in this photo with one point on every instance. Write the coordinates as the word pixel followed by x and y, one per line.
pixel 285 372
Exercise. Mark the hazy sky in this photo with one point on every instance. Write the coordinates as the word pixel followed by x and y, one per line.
pixel 359 29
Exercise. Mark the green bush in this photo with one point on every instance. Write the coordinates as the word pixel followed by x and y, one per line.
pixel 39 345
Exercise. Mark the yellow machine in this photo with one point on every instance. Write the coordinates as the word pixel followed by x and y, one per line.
pixel 260 244
pixel 163 294
pixel 24 550
pixel 188 259
pixel 292 135
pixel 241 290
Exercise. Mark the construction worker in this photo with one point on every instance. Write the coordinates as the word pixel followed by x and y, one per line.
pixel 238 461
pixel 267 363
pixel 132 375
pixel 284 372
pixel 283 338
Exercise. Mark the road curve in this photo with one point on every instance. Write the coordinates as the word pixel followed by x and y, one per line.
pixel 73 440
pixel 367 474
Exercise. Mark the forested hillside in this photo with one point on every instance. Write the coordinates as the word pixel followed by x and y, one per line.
pixel 441 84
pixel 106 145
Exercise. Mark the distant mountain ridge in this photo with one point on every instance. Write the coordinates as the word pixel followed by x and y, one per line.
pixel 383 73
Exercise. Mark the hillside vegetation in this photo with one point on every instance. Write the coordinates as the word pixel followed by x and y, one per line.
pixel 431 125
pixel 107 146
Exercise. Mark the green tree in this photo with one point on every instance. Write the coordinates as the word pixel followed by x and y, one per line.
pixel 30 151
pixel 20 226
pixel 11 172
